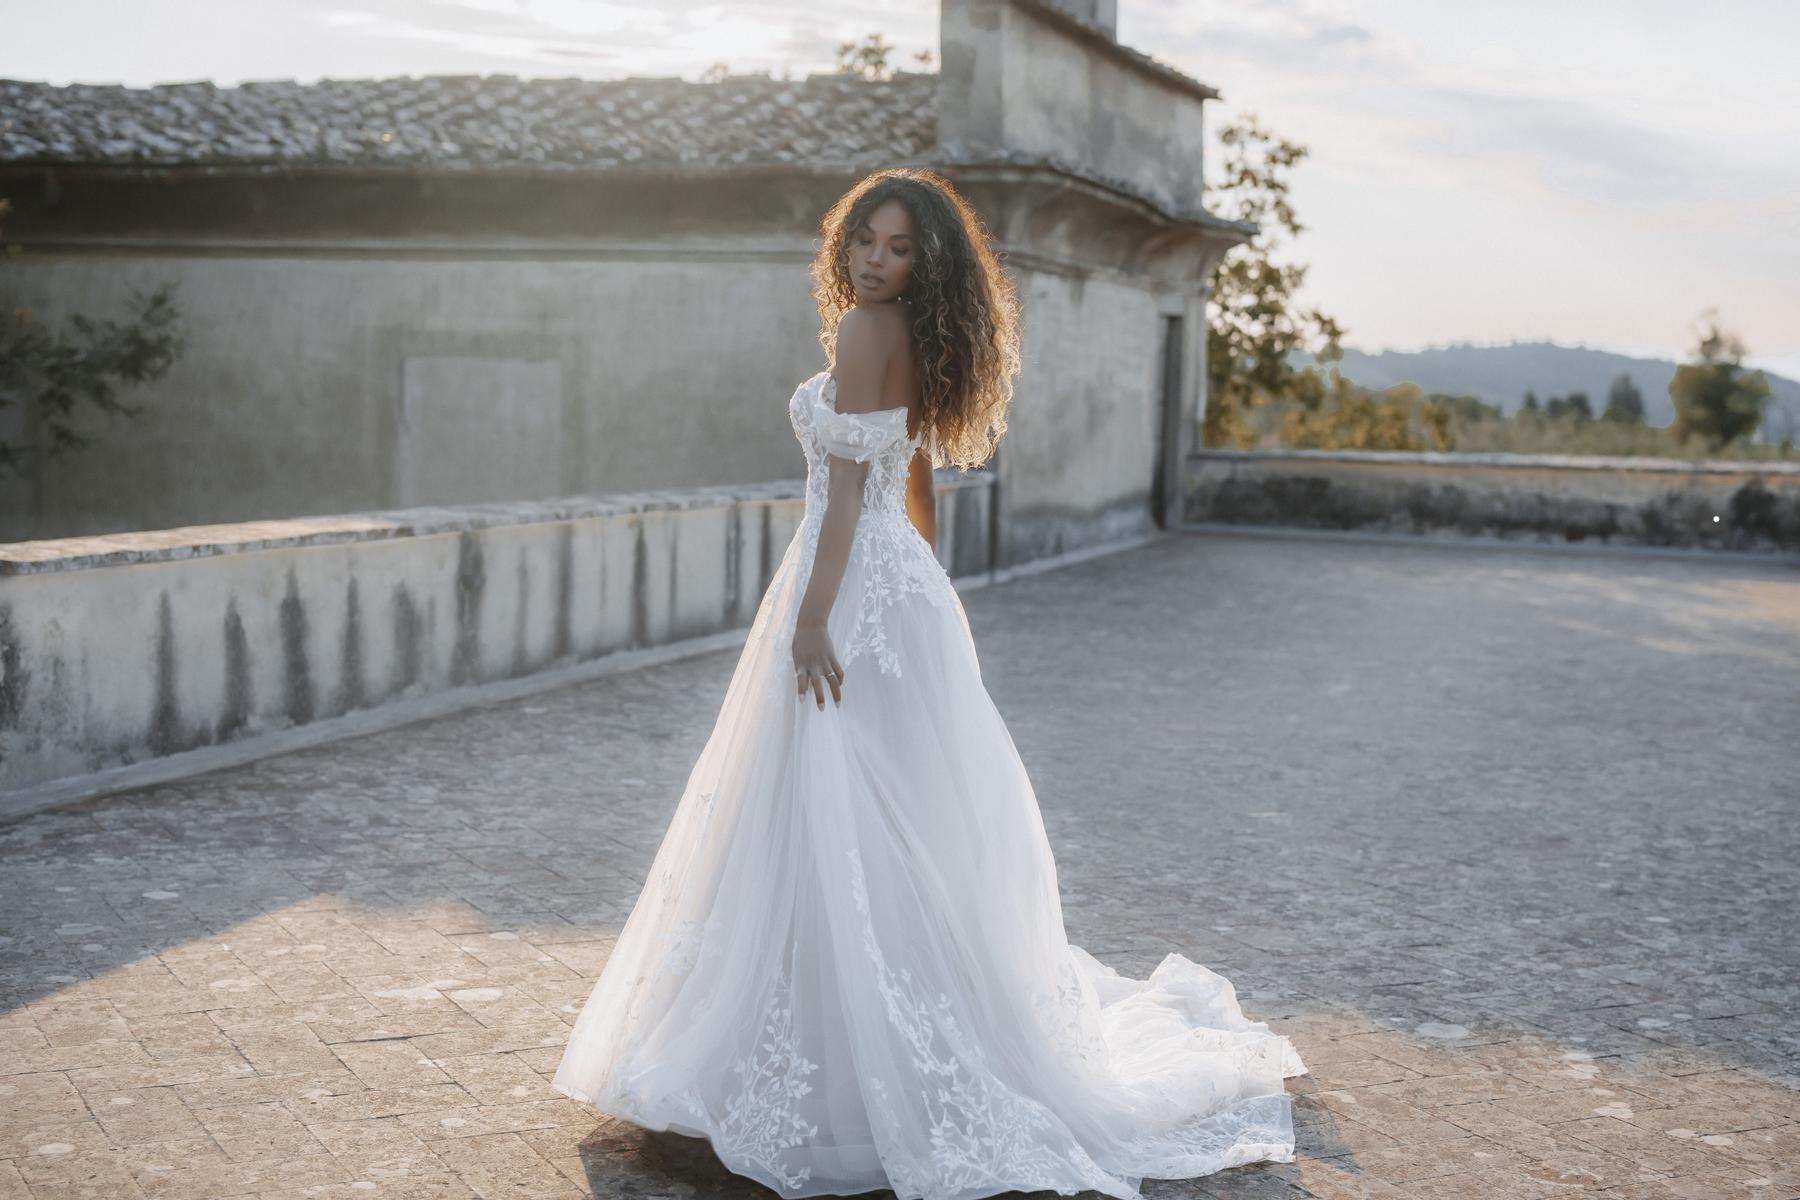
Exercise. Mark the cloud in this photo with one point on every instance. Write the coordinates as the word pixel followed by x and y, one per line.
pixel 514 32
pixel 1565 145
pixel 1290 32
pixel 1373 102
pixel 666 38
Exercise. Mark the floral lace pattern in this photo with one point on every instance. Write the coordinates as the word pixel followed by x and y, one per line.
pixel 889 559
pixel 983 1133
pixel 1065 1015
pixel 762 1119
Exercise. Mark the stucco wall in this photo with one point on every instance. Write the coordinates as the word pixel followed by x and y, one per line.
pixel 1079 454
pixel 323 384
pixel 117 650
pixel 1659 502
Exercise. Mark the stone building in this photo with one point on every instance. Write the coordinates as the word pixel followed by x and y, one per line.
pixel 452 290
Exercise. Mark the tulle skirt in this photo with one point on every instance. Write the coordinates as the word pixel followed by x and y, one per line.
pixel 848 968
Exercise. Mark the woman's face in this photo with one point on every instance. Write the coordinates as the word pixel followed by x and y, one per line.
pixel 881 254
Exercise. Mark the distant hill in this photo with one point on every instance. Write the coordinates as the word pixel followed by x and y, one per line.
pixel 1501 374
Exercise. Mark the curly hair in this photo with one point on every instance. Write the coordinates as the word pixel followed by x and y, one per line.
pixel 964 307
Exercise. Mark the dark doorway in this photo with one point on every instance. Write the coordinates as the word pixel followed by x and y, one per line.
pixel 1165 485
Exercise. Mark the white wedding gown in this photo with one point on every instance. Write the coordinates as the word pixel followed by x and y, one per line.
pixel 848 967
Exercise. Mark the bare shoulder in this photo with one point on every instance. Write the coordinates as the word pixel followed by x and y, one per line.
pixel 877 328
pixel 867 340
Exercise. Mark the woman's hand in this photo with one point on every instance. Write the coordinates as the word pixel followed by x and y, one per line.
pixel 815 663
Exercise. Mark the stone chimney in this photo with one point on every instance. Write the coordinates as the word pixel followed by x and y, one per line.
pixel 1101 14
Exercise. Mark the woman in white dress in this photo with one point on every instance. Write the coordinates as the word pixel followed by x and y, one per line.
pixel 848 968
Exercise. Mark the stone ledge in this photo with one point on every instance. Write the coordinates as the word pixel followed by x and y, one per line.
pixel 199 541
pixel 120 650
pixel 1561 462
pixel 1708 504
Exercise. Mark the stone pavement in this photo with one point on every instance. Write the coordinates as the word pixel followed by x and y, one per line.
pixel 1506 841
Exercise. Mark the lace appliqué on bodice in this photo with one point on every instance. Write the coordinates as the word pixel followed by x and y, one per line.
pixel 889 558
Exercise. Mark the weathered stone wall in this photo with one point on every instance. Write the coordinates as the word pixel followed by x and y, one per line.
pixel 319 382
pixel 316 385
pixel 1655 502
pixel 1020 84
pixel 1080 448
pixel 114 650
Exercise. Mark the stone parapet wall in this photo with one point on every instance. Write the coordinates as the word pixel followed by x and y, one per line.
pixel 119 649
pixel 1713 504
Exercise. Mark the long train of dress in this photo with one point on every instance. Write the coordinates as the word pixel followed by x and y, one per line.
pixel 848 967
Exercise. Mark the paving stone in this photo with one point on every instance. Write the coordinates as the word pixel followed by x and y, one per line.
pixel 389 1063
pixel 325 1105
pixel 250 1132
pixel 1646 1148
pixel 211 1179
pixel 501 1079
pixel 1507 897
pixel 501 1164
pixel 143 1116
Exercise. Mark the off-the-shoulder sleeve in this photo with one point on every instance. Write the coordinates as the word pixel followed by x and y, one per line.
pixel 860 436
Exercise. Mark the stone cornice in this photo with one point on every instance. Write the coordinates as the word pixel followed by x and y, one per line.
pixel 1049 209
pixel 1101 42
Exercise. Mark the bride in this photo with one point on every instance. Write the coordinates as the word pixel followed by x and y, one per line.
pixel 848 968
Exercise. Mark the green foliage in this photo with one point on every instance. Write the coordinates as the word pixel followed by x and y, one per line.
pixel 1354 418
pixel 1624 402
pixel 53 374
pixel 1347 416
pixel 1254 325
pixel 1575 406
pixel 1716 400
pixel 1528 432
pixel 1470 408
pixel 869 57
pixel 1351 417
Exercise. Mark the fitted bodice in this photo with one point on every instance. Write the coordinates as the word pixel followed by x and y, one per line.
pixel 890 562
pixel 878 438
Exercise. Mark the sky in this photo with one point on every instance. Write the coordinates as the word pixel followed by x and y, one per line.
pixel 1588 172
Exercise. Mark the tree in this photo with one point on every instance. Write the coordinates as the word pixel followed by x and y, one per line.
pixel 1531 401
pixel 52 374
pixel 1467 408
pixel 1574 405
pixel 1715 399
pixel 1624 403
pixel 869 58
pixel 1253 323
pixel 1401 417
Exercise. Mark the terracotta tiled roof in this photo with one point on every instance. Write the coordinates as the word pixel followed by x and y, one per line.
pixel 467 122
